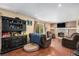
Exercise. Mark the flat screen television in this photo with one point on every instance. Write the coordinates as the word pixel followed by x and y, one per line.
pixel 61 25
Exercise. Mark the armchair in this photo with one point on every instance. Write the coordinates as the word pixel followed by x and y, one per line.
pixel 66 42
pixel 41 39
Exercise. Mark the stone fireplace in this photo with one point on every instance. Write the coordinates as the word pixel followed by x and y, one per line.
pixel 62 32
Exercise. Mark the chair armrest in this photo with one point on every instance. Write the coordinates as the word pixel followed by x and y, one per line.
pixel 67 41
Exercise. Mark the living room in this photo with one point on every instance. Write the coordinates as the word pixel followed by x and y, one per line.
pixel 42 29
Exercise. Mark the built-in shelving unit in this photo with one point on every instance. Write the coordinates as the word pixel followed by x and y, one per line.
pixel 70 28
pixel 12 36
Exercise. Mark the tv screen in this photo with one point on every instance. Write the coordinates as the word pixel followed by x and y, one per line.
pixel 61 25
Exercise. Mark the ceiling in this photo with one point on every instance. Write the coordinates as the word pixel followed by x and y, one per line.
pixel 46 11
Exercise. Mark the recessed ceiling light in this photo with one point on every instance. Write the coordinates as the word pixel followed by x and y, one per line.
pixel 59 5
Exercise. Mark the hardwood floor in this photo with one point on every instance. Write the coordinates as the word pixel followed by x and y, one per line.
pixel 55 49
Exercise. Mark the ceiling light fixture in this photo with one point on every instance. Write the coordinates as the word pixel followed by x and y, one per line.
pixel 59 5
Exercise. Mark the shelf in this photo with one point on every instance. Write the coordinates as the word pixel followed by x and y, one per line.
pixel 63 28
pixel 12 37
pixel 16 24
pixel 12 24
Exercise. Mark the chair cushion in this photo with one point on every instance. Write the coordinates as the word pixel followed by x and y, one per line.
pixel 31 47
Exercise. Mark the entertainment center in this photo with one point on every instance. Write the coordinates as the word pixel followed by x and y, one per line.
pixel 12 33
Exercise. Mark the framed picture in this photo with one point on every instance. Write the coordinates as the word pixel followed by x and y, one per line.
pixel 29 22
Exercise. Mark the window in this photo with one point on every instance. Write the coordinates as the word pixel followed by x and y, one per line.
pixel 39 28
